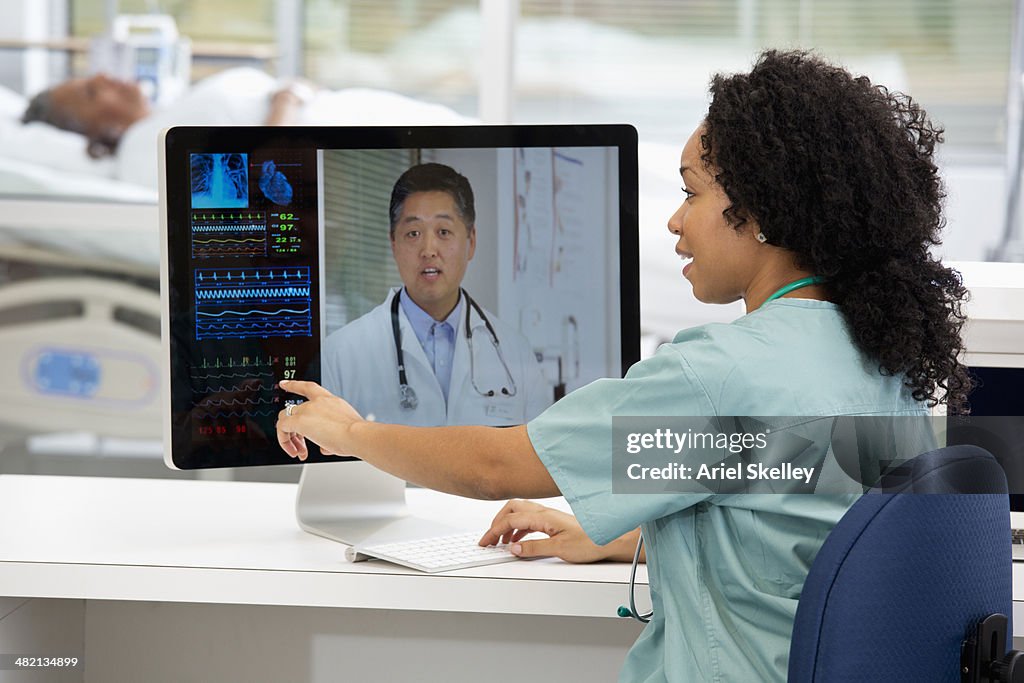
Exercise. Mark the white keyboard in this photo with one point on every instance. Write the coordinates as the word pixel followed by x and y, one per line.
pixel 437 554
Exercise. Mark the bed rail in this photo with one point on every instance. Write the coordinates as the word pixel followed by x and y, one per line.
pixel 80 354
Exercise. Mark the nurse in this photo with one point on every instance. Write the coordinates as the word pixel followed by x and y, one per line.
pixel 814 197
pixel 430 355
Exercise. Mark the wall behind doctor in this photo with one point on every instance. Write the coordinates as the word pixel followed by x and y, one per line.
pixel 546 257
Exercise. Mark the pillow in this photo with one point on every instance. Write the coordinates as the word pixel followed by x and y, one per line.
pixel 12 104
pixel 233 97
pixel 40 143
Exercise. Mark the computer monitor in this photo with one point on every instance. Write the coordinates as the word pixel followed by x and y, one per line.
pixel 278 262
pixel 995 356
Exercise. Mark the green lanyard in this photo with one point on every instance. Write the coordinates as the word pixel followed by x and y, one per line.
pixel 799 284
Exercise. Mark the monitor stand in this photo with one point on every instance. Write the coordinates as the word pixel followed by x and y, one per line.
pixel 353 502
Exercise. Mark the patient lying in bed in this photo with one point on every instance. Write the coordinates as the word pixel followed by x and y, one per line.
pixel 116 119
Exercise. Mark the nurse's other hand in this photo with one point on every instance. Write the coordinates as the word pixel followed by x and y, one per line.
pixel 323 418
pixel 566 538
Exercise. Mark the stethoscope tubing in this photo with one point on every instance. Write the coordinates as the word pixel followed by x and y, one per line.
pixel 408 398
pixel 645 617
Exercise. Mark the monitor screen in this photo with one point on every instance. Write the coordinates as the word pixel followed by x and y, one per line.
pixel 429 276
pixel 996 423
pixel 992 334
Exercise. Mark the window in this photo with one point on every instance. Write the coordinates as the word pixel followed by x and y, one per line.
pixel 647 61
pixel 223 32
pixel 356 204
pixel 427 49
pixel 650 61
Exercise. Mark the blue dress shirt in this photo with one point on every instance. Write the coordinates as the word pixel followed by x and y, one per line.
pixel 436 337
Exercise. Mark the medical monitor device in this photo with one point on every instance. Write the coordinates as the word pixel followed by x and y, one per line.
pixel 277 257
pixel 994 353
pixel 146 49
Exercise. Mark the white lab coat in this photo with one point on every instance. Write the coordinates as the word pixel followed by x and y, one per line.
pixel 359 364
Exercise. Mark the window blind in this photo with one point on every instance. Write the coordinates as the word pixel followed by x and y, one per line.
pixel 359 268
pixel 649 61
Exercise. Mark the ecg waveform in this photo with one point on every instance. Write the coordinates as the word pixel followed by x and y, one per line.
pixel 257 323
pixel 218 363
pixel 240 303
pixel 243 367
pixel 236 398
pixel 244 413
pixel 216 402
pixel 228 234
pixel 229 411
pixel 238 277
pixel 234 375
pixel 283 293
pixel 236 388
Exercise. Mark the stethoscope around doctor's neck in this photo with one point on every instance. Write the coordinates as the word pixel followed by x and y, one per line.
pixel 407 395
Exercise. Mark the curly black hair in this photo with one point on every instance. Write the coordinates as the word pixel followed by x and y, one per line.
pixel 840 172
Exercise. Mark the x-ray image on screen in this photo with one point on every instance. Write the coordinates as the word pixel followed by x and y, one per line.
pixel 220 181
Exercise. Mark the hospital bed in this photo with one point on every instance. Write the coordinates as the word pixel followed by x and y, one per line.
pixel 79 302
pixel 60 207
pixel 80 342
pixel 81 353
pixel 79 331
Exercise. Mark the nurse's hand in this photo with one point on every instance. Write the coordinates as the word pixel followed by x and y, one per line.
pixel 566 538
pixel 323 418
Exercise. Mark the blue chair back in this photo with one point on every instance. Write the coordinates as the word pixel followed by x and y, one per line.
pixel 901 578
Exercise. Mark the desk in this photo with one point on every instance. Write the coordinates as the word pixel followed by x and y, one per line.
pixel 167 580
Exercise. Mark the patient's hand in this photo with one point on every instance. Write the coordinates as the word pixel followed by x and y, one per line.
pixel 566 538
pixel 286 102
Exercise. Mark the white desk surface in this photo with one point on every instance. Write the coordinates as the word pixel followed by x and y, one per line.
pixel 239 543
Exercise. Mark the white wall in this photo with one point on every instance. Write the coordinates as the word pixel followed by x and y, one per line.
pixel 975 208
pixel 480 166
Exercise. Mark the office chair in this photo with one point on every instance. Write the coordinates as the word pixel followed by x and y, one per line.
pixel 902 578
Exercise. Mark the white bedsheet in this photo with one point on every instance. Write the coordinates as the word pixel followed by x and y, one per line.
pixel 240 97
pixel 20 178
pixel 232 97
pixel 133 252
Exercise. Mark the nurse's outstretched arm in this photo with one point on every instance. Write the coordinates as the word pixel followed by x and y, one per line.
pixel 477 462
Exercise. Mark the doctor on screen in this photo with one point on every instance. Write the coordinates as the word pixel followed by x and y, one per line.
pixel 430 355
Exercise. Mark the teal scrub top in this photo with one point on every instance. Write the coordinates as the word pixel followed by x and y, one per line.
pixel 725 571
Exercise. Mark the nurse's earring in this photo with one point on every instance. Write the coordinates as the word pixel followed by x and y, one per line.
pixel 760 237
